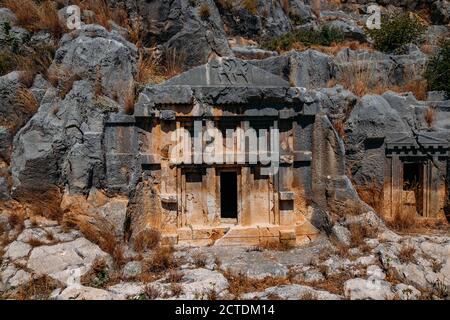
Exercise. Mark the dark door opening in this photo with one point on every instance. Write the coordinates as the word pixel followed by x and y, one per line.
pixel 413 181
pixel 228 195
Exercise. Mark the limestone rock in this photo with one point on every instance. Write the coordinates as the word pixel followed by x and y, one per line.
pixel 132 269
pixel 78 292
pixel 405 292
pixel 128 289
pixel 292 292
pixel 92 46
pixel 262 20
pixel 372 288
pixel 342 234
pixel 199 282
pixel 65 262
pixel 17 250
pixel 179 27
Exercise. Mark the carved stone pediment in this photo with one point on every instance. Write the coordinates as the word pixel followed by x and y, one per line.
pixel 228 72
pixel 419 144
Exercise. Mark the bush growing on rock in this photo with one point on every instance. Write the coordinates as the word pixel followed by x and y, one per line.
pixel 37 16
pixel 397 31
pixel 326 36
pixel 251 5
pixel 204 11
pixel 437 73
pixel 146 240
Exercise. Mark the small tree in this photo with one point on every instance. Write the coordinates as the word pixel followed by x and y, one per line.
pixel 397 31
pixel 438 70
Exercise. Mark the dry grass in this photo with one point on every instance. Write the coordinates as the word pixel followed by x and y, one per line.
pixel 436 266
pixel 285 5
pixel 151 293
pixel 316 8
pixel 358 77
pixel 46 203
pixel 174 276
pixel 240 283
pixel 129 98
pixel 35 242
pixel 149 70
pixel 136 32
pixel 99 231
pixel 33 61
pixel 430 115
pixel 147 239
pixel 63 79
pixel 339 126
pixel 176 289
pixel 39 288
pixel 406 254
pixel 370 191
pixel 161 260
pixel 250 5
pixel 402 221
pixel 334 48
pixel 26 101
pixel 16 220
pixel 199 259
pixel 308 296
pixel 418 87
pixel 274 246
pixel 98 276
pixel 358 233
pixel 173 62
pixel 34 17
pixel 204 12
pixel 212 295
pixel 104 14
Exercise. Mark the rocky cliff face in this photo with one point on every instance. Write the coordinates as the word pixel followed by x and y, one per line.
pixel 53 142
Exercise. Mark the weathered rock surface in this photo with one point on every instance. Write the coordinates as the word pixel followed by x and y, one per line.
pixel 361 289
pixel 292 292
pixel 78 292
pixel 65 262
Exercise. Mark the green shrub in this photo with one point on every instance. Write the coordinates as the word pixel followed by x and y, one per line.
pixel 396 31
pixel 325 37
pixel 438 70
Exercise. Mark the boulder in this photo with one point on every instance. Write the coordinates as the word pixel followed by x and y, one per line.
pixel 200 282
pixel 370 121
pixel 65 262
pixel 94 53
pixel 132 269
pixel 309 69
pixel 189 31
pixel 372 289
pixel 292 292
pixel 405 292
pixel 128 289
pixel 61 146
pixel 17 250
pixel 342 234
pixel 265 19
pixel 78 292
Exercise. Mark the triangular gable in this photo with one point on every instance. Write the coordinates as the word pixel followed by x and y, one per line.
pixel 400 139
pixel 430 138
pixel 227 72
